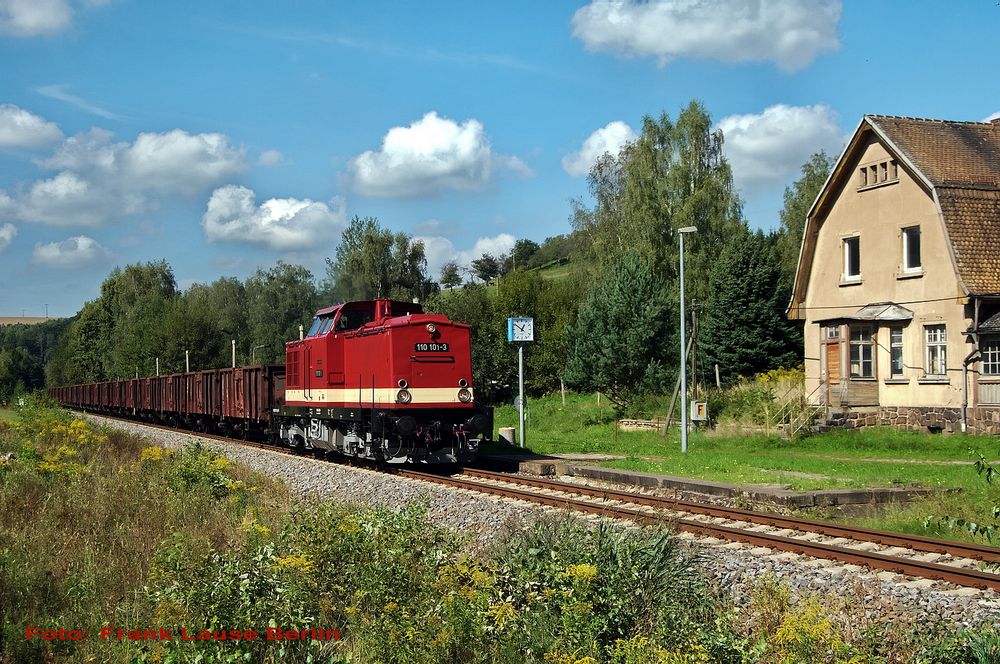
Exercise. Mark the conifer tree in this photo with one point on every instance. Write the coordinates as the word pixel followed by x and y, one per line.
pixel 623 339
pixel 745 330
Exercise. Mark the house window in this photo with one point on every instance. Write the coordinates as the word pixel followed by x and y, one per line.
pixel 990 350
pixel 884 167
pixel 863 182
pixel 911 249
pixel 893 170
pixel 937 350
pixel 831 332
pixel 896 352
pixel 852 258
pixel 862 353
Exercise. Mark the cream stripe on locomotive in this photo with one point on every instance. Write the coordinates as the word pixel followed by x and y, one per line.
pixel 382 395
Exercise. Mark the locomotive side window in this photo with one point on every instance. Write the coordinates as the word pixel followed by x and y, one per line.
pixel 327 322
pixel 292 370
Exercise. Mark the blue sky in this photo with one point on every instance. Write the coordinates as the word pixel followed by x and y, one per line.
pixel 224 136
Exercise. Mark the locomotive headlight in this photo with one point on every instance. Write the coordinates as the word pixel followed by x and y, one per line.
pixel 402 383
pixel 464 395
pixel 431 328
pixel 462 382
pixel 404 396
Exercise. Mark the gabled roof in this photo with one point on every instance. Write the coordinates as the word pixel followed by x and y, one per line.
pixel 959 165
pixel 947 154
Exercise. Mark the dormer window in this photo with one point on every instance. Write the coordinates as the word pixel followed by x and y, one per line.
pixel 879 173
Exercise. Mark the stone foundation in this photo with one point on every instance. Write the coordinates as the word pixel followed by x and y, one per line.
pixel 981 419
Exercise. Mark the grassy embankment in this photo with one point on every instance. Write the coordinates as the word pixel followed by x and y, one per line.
pixel 100 529
pixel 839 459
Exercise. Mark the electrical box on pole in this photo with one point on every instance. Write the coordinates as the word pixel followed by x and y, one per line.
pixel 520 331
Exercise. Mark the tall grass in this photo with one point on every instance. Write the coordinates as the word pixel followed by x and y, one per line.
pixel 100 529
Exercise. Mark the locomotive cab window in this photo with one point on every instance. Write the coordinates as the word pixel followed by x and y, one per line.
pixel 351 318
pixel 314 330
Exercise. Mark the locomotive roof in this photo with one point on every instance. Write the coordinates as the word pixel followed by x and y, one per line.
pixel 411 307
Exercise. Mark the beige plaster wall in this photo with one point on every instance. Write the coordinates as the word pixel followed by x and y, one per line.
pixel 877 215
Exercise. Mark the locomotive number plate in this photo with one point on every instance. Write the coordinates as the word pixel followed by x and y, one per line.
pixel 435 347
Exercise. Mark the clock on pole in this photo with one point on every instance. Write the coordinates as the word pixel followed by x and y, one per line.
pixel 520 331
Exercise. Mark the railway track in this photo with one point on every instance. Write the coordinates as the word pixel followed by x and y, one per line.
pixel 910 555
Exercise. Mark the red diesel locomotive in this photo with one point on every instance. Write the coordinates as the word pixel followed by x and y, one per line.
pixel 379 380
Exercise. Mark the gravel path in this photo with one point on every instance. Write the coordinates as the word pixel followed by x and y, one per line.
pixel 488 519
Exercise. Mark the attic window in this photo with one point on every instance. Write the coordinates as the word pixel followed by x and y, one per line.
pixel 879 173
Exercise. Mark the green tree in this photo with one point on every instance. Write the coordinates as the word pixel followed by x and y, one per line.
pixel 224 302
pixel 374 262
pixel 487 268
pixel 745 330
pixel 122 330
pixel 799 197
pixel 523 251
pixel 673 175
pixel 278 301
pixel 450 275
pixel 621 343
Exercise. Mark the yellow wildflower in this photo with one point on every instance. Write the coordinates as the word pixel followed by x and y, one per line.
pixel 583 573
pixel 154 453
pixel 294 562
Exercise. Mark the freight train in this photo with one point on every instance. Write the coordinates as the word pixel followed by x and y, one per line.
pixel 378 380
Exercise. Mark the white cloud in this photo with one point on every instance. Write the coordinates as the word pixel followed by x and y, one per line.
pixel 79 251
pixel 30 18
pixel 766 148
pixel 609 138
pixel 7 233
pixel 270 158
pixel 790 33
pixel 61 93
pixel 429 156
pixel 173 161
pixel 992 117
pixel 282 224
pixel 99 180
pixel 22 129
pixel 440 250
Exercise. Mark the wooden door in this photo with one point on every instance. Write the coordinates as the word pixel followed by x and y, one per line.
pixel 833 363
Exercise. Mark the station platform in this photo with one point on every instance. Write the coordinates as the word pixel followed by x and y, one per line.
pixel 575 465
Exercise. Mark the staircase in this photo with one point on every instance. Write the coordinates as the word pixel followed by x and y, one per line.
pixel 797 412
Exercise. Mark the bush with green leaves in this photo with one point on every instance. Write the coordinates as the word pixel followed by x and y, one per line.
pixel 988 526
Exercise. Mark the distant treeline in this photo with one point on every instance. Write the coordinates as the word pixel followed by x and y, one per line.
pixel 608 320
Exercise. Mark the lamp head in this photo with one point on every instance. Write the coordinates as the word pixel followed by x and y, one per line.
pixel 688 229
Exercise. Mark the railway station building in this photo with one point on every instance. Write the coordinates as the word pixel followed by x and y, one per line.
pixel 898 279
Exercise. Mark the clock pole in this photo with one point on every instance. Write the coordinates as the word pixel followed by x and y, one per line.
pixel 520 392
pixel 520 331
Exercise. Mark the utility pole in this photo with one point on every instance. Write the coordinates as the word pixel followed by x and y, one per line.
pixel 187 361
pixel 695 307
pixel 684 414
pixel 234 353
pixel 157 366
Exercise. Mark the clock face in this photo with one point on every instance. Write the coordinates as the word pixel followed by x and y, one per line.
pixel 524 329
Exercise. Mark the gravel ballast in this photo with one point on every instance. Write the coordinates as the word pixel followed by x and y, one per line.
pixel 488 519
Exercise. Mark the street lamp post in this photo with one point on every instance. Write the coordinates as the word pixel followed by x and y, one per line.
pixel 253 353
pixel 684 419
